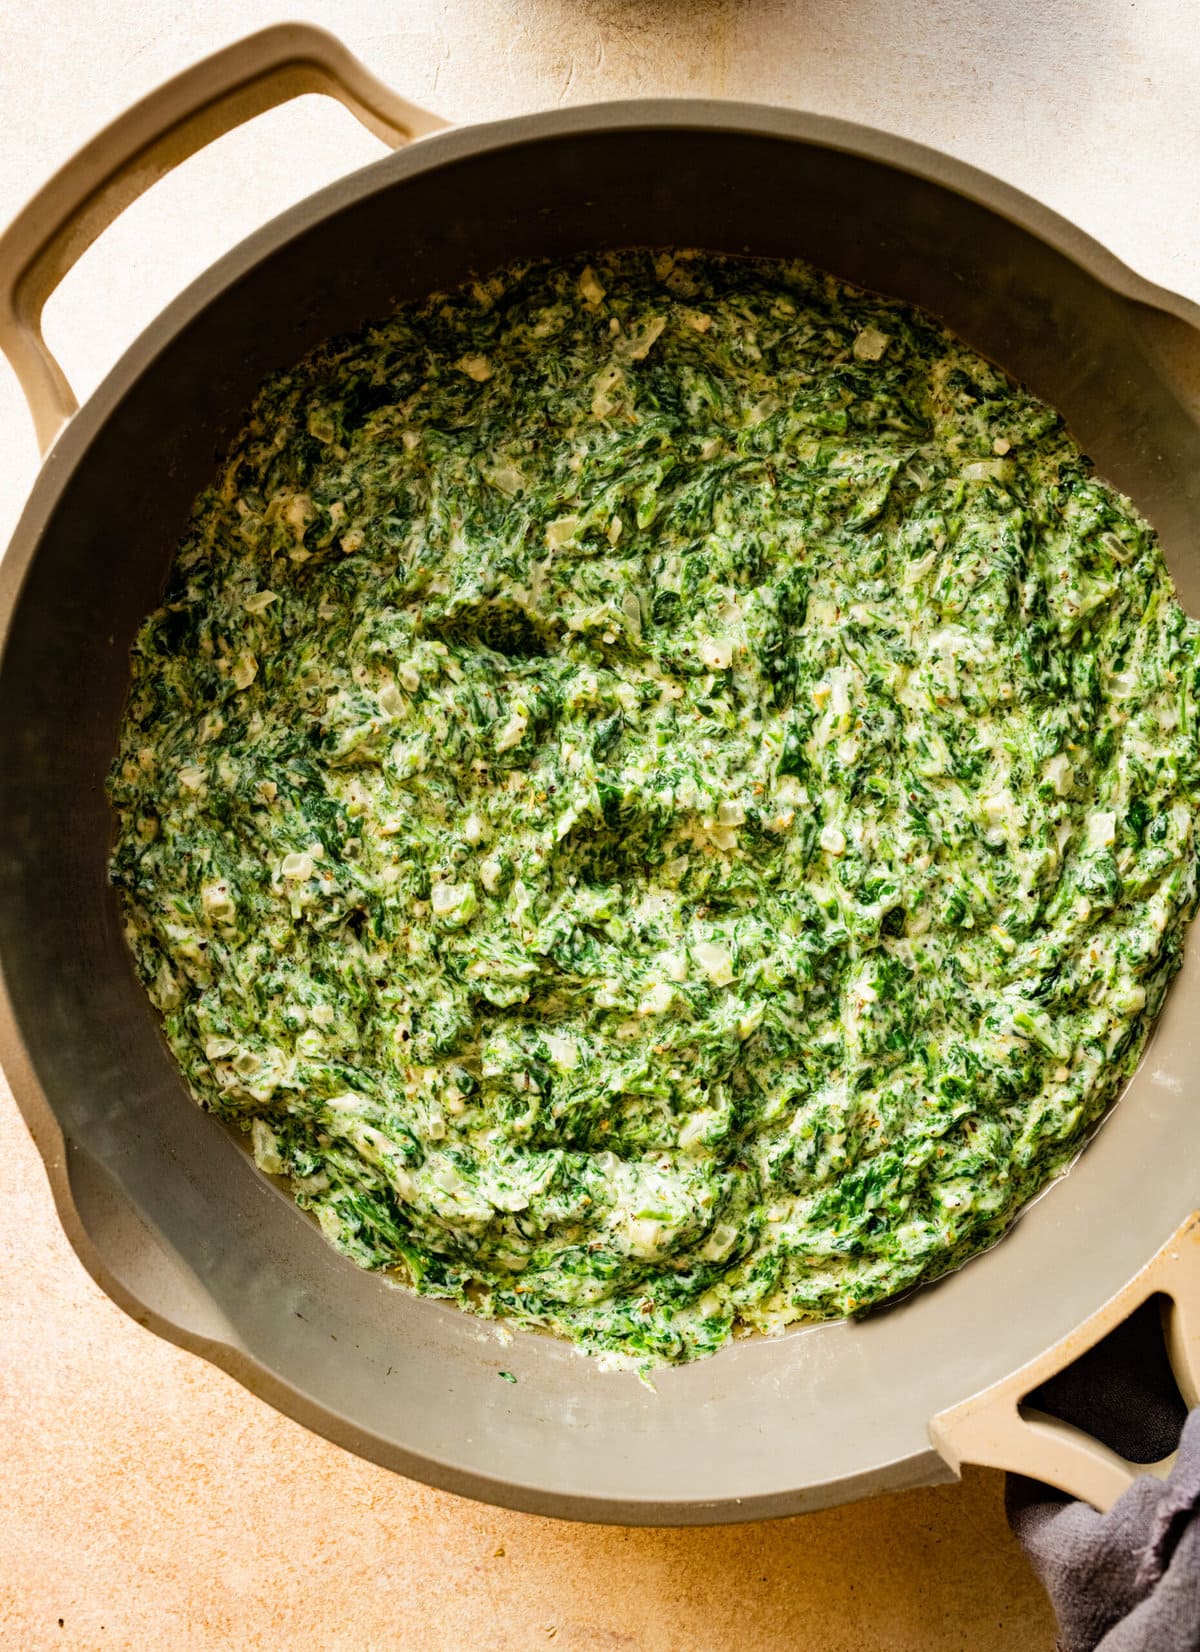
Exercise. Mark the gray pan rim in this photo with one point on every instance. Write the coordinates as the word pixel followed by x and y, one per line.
pixel 97 1231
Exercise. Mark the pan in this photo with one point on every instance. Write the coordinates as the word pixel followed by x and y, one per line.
pixel 165 1208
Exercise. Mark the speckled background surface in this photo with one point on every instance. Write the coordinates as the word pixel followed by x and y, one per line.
pixel 148 1501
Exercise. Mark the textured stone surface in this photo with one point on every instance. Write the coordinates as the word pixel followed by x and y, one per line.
pixel 148 1501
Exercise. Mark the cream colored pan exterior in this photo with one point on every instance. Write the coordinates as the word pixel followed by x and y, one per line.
pixel 165 1208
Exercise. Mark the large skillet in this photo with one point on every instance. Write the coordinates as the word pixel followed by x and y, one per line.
pixel 164 1207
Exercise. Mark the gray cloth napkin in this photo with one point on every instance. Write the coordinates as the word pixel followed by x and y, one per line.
pixel 1129 1580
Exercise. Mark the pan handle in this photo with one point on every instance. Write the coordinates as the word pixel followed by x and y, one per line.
pixel 143 145
pixel 996 1429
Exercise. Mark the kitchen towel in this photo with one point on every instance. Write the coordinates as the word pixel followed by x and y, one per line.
pixel 1129 1580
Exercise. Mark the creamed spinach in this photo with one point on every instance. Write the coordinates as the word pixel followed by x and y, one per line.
pixel 661 795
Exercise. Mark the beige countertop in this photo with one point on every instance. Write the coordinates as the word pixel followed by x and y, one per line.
pixel 149 1502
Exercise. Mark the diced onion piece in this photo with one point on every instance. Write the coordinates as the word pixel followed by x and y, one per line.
pixel 513 732
pixel 589 286
pixel 265 1146
pixel 833 840
pixel 561 531
pixel 218 902
pixel 644 342
pixel 1102 829
pixel 658 997
pixel 989 470
pixel 870 344
pixel 454 902
pixel 715 961
pixel 717 653
pixel 564 1052
pixel 1060 774
pixel 697 1127
pixel 720 1242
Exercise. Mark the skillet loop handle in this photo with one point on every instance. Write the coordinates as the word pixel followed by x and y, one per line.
pixel 143 145
pixel 996 1429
